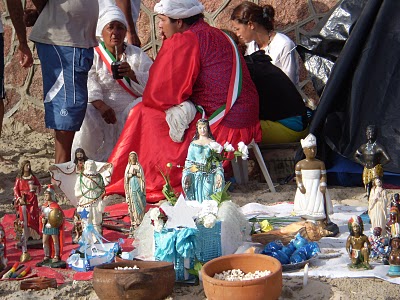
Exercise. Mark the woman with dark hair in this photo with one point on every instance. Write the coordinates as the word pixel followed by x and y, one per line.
pixel 255 25
pixel 199 183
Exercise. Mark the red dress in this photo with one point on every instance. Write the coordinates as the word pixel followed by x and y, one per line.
pixel 195 65
pixel 21 188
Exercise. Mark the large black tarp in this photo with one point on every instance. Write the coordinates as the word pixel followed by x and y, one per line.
pixel 364 85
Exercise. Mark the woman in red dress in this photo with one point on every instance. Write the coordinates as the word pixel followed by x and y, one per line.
pixel 197 62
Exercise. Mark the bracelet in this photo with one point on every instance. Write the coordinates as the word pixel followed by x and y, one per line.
pixel 323 184
pixel 297 172
pixel 300 185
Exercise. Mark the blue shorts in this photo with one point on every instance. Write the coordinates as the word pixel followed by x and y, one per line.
pixel 65 73
pixel 2 92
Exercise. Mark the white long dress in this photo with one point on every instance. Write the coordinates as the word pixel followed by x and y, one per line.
pixel 97 137
pixel 311 205
pixel 377 208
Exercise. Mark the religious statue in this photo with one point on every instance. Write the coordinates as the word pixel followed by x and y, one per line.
pixel 26 188
pixel 379 246
pixel 393 219
pixel 66 175
pixel 89 190
pixel 357 245
pixel 52 220
pixel 377 206
pixel 312 200
pixel 372 156
pixel 395 201
pixel 3 256
pixel 79 160
pixel 394 256
pixel 135 191
pixel 77 229
pixel 198 181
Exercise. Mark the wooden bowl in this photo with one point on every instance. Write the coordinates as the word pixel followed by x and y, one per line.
pixel 265 288
pixel 38 283
pixel 153 280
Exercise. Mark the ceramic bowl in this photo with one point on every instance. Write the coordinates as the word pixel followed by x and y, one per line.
pixel 38 283
pixel 153 280
pixel 265 288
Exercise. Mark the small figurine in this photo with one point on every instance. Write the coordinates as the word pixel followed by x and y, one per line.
pixel 372 156
pixel 89 190
pixel 79 160
pixel 26 188
pixel 377 207
pixel 135 191
pixel 199 183
pixel 3 256
pixel 393 219
pixel 77 229
pixel 312 200
pixel 52 220
pixel 379 246
pixel 395 201
pixel 357 245
pixel 394 256
pixel 65 175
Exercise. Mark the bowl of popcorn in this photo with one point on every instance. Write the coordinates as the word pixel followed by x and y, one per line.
pixel 134 279
pixel 242 276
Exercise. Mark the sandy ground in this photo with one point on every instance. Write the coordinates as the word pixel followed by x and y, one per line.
pixel 19 142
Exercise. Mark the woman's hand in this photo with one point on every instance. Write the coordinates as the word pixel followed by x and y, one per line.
pixel 106 111
pixel 125 70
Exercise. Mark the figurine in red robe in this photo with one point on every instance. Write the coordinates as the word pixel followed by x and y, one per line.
pixel 25 194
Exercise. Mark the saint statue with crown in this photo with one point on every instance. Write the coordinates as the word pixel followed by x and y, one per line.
pixel 312 201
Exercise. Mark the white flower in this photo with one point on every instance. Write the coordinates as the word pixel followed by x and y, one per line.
pixel 216 147
pixel 228 147
pixel 244 150
pixel 158 225
pixel 154 214
pixel 209 221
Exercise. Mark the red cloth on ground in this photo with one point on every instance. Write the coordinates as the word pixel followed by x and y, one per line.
pixel 195 65
pixel 116 211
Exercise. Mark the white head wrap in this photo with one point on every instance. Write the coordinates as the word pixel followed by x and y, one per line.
pixel 309 141
pixel 109 14
pixel 179 9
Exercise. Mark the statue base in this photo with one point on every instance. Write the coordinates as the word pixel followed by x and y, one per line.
pixel 359 267
pixel 49 263
pixel 394 271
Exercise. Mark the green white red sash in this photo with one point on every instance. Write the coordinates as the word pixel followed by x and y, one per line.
pixel 235 87
pixel 107 57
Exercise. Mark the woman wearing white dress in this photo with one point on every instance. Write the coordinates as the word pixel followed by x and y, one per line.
pixel 312 201
pixel 110 100
pixel 254 24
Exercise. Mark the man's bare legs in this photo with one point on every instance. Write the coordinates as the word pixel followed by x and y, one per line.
pixel 63 145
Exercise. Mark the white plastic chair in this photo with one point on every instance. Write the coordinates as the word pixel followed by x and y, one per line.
pixel 240 170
